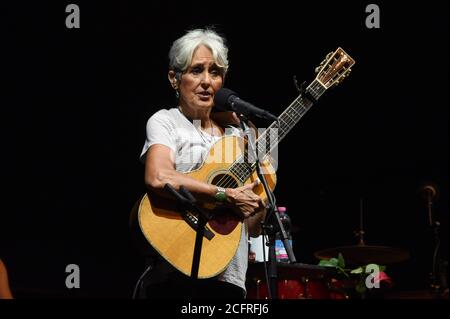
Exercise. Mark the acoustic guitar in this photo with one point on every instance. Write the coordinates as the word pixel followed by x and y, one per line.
pixel 171 232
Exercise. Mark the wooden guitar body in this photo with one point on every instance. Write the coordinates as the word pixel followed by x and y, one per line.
pixel 164 227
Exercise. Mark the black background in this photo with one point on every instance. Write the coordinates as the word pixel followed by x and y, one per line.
pixel 76 102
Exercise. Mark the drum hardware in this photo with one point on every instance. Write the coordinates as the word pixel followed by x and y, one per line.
pixel 438 276
pixel 362 254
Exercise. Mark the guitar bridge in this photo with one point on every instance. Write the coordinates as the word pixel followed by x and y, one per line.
pixel 192 221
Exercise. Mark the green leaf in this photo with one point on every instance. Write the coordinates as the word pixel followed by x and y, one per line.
pixel 324 263
pixel 358 270
pixel 341 262
pixel 332 262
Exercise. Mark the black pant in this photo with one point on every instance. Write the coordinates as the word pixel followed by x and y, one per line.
pixel 179 286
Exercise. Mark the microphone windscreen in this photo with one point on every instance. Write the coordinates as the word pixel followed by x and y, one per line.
pixel 221 99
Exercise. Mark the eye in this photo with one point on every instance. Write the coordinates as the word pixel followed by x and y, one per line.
pixel 196 70
pixel 216 72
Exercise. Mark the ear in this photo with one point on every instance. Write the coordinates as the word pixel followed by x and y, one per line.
pixel 172 79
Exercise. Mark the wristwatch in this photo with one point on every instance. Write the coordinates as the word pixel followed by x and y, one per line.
pixel 220 196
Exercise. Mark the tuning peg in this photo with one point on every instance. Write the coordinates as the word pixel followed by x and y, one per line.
pixel 317 70
pixel 329 55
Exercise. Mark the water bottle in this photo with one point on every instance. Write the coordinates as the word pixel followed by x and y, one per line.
pixel 280 250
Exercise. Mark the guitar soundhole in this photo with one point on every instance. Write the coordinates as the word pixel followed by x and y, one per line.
pixel 224 180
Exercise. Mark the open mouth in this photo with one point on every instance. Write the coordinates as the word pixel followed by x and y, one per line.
pixel 204 96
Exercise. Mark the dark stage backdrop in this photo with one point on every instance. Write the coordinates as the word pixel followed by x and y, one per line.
pixel 75 103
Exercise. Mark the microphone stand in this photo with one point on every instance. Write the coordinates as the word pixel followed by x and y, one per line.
pixel 271 226
pixel 189 204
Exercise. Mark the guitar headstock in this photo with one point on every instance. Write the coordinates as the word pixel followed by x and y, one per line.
pixel 334 68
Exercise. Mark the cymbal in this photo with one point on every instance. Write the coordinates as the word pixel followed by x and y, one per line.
pixel 364 254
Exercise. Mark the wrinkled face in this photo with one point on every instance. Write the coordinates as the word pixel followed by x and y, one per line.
pixel 200 82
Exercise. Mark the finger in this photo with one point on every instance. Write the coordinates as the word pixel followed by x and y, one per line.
pixel 235 118
pixel 253 185
pixel 246 214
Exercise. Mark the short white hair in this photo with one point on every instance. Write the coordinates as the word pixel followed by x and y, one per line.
pixel 182 50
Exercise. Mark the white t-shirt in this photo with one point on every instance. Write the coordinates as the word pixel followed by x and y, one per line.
pixel 191 146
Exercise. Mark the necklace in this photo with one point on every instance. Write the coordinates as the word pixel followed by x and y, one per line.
pixel 206 138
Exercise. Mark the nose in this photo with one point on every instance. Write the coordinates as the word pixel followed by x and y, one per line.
pixel 206 80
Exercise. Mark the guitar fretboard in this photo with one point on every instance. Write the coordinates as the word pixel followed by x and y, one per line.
pixel 244 166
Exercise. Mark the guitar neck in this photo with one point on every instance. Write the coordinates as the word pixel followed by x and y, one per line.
pixel 289 118
pixel 277 131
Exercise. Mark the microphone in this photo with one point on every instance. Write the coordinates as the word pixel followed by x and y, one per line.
pixel 227 100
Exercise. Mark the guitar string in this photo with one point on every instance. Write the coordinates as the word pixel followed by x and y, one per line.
pixel 287 118
pixel 227 180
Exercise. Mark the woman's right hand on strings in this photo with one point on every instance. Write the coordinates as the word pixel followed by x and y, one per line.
pixel 244 201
